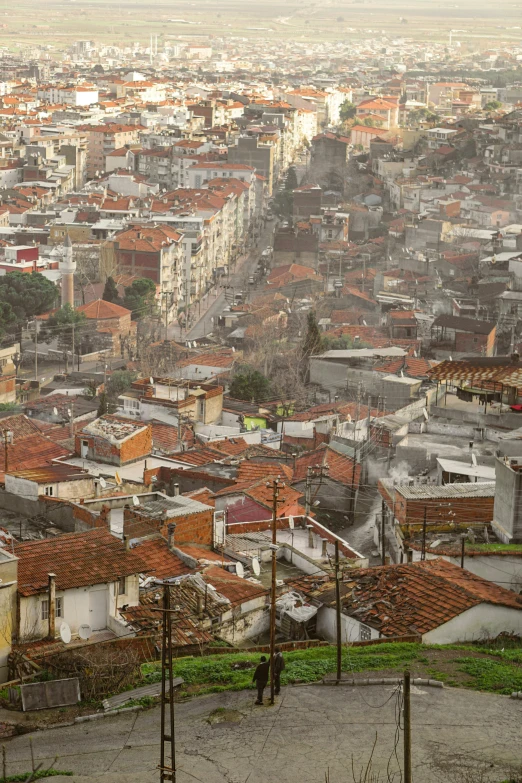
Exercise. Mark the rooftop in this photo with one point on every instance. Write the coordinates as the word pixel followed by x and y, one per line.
pixel 77 559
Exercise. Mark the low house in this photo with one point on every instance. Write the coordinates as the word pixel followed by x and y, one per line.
pixel 461 335
pixel 402 324
pixel 114 440
pixel 57 480
pixel 434 600
pixel 168 399
pixel 79 578
pixel 184 518
pixel 337 488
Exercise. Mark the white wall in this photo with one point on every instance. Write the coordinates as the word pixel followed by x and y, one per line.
pixel 350 628
pixel 76 607
pixel 480 622
pixel 503 571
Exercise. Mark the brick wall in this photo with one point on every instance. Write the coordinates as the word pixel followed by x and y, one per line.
pixel 190 529
pixel 188 480
pixel 134 448
pixel 137 447
pixel 440 511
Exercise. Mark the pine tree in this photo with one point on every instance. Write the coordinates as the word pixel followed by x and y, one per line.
pixel 110 292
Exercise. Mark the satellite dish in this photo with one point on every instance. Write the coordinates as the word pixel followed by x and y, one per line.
pixel 474 460
pixel 135 500
pixel 103 483
pixel 151 381
pixel 240 571
pixel 55 411
pixel 84 631
pixel 65 633
pixel 291 523
pixel 256 568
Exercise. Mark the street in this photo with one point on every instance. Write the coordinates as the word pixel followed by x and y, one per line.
pixel 310 732
pixel 214 303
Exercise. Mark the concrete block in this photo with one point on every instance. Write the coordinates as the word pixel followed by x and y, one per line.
pixel 516 695
pixel 435 683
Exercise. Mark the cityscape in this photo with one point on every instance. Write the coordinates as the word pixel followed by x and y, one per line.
pixel 261 392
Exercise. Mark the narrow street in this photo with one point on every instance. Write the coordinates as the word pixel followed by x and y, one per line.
pixel 213 304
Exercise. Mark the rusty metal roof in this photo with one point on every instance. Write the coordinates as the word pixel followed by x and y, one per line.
pixel 509 374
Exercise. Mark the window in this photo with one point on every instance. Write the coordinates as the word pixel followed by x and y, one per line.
pixel 45 610
pixel 58 604
pixel 49 490
pixel 122 585
pixel 365 634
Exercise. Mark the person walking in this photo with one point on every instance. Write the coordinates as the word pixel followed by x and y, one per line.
pixel 279 665
pixel 261 678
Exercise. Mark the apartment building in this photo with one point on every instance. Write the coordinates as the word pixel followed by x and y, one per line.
pixel 104 139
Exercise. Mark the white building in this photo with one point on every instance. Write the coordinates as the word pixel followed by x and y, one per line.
pixel 87 576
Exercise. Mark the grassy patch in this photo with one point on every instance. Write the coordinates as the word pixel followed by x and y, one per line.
pixel 497 547
pixel 491 675
pixel 235 671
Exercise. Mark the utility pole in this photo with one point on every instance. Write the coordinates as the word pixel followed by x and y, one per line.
pixel 72 347
pixel 423 550
pixel 462 550
pixel 407 729
pixel 168 744
pixel 308 491
pixel 383 537
pixel 338 611
pixel 35 350
pixel 276 486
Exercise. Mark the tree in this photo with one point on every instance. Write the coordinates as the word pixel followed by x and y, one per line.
pixel 22 297
pixel 347 111
pixel 119 382
pixel 249 384
pixel 291 179
pixel 492 106
pixel 140 297
pixel 110 291
pixel 283 205
pixel 372 122
pixel 103 406
pixel 312 343
pixel 62 326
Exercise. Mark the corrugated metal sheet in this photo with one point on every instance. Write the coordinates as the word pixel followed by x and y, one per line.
pixel 484 489
pixel 508 374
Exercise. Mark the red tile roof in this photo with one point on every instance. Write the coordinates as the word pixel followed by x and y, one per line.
pixel 253 471
pixel 78 560
pixel 417 597
pixel 160 561
pixel 100 309
pixel 233 587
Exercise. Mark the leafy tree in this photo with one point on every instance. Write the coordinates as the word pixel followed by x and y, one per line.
pixel 283 205
pixel 492 106
pixel 103 406
pixel 344 342
pixel 119 382
pixel 249 384
pixel 372 122
pixel 63 327
pixel 22 297
pixel 140 297
pixel 347 111
pixel 291 179
pixel 110 291
pixel 313 342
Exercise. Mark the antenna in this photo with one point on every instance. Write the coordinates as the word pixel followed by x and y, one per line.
pixel 65 633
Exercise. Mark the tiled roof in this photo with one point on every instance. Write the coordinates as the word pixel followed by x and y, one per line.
pixel 417 597
pixel 186 630
pixel 203 495
pixel 78 560
pixel 253 471
pixel 100 309
pixel 160 561
pixel 233 587
pixel 340 466
pixel 201 456
pixel 165 437
pixel 229 446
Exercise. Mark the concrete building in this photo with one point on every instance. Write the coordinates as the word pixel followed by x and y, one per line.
pixel 507 512
pixel 260 156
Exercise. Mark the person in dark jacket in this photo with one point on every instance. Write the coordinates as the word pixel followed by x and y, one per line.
pixel 261 678
pixel 279 665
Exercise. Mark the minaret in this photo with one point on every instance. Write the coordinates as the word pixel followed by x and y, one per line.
pixel 67 267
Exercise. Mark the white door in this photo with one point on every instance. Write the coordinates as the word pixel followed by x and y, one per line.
pixel 98 609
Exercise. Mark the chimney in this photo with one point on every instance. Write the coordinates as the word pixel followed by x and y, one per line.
pixel 52 606
pixel 324 551
pixel 126 541
pixel 149 391
pixel 310 536
pixel 409 555
pixel 176 490
pixel 171 530
pixel 199 600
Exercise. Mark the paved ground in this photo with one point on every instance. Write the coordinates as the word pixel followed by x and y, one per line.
pixel 214 303
pixel 311 729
